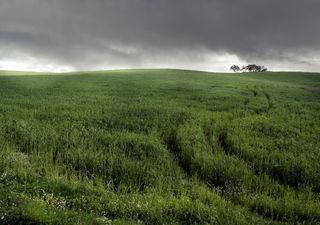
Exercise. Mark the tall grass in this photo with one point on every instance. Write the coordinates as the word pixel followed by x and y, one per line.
pixel 159 147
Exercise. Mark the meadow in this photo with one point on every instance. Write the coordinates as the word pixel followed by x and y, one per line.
pixel 159 147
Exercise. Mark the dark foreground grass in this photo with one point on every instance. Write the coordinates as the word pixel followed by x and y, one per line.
pixel 159 147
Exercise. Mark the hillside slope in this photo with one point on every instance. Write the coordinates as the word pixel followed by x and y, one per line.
pixel 159 147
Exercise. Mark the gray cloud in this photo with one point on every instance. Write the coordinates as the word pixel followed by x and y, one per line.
pixel 89 34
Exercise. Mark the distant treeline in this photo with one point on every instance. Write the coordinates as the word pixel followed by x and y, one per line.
pixel 249 68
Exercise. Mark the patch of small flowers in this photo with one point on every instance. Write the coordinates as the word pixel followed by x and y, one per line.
pixel 103 221
pixel 50 199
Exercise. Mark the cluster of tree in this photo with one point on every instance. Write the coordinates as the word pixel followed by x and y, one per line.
pixel 249 68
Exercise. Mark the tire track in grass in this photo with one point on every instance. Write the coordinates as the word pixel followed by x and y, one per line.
pixel 173 147
pixel 192 168
pixel 293 176
pixel 255 91
pixel 240 184
pixel 235 178
pixel 269 100
pixel 273 207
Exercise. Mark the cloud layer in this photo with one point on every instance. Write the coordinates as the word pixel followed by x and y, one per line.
pixel 202 34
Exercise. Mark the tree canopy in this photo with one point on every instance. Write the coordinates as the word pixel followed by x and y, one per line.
pixel 249 68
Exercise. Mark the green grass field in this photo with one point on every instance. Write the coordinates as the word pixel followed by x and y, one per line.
pixel 159 147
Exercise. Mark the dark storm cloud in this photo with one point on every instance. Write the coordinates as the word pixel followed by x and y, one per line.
pixel 87 33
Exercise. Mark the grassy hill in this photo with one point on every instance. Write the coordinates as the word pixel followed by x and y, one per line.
pixel 159 147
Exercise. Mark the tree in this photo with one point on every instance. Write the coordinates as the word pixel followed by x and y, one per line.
pixel 249 68
pixel 235 68
pixel 254 68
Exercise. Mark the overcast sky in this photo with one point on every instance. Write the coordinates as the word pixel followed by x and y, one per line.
pixel 63 35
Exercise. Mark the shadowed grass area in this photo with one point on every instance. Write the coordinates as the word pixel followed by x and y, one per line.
pixel 159 147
